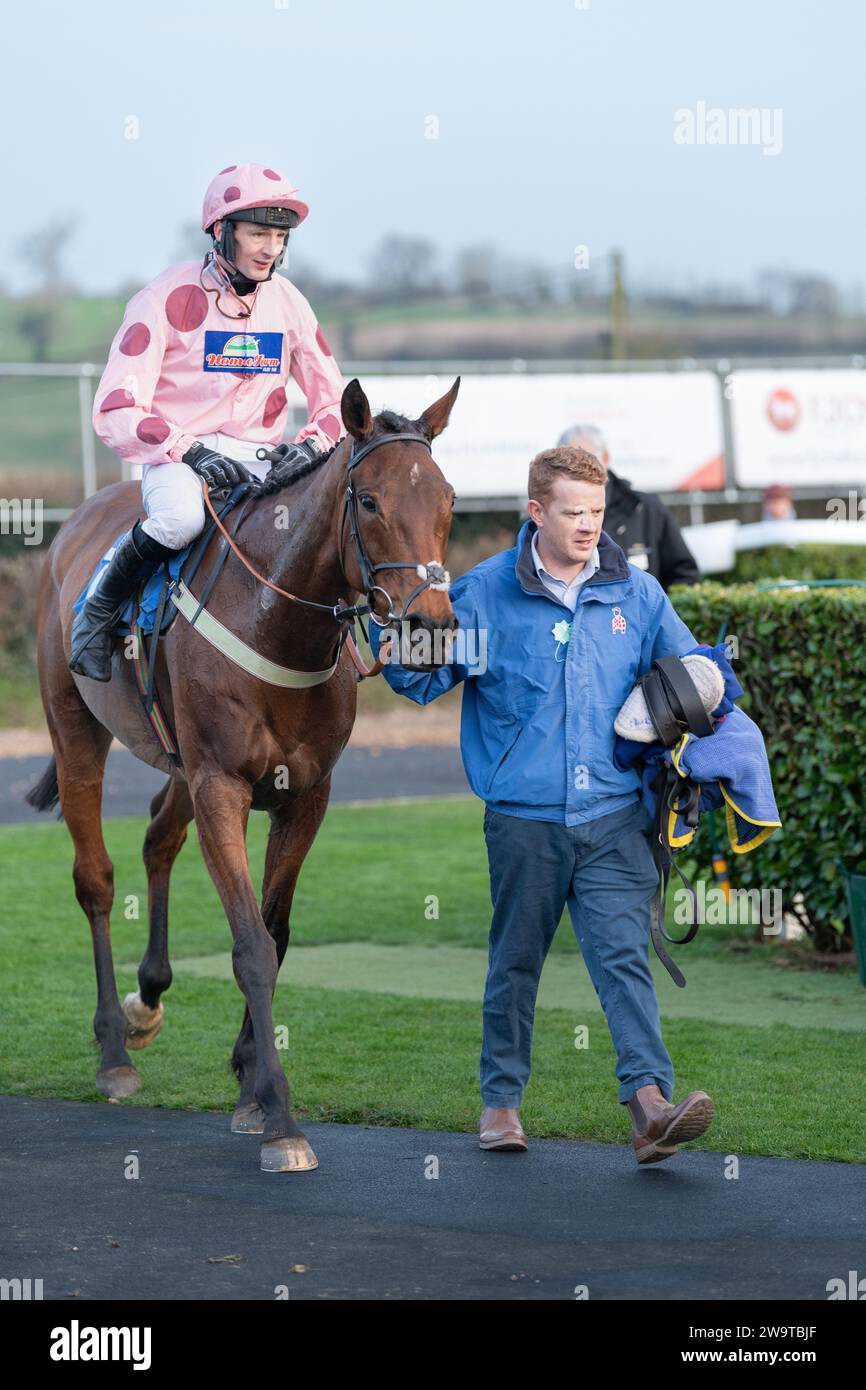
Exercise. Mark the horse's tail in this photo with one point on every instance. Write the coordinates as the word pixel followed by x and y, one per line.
pixel 46 794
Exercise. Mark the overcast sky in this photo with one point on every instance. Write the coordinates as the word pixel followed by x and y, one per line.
pixel 556 126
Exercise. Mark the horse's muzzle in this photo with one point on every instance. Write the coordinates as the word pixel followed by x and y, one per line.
pixel 420 644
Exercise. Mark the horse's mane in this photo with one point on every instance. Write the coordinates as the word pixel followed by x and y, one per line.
pixel 271 485
pixel 390 422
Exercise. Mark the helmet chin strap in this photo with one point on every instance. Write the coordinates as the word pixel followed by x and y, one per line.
pixel 225 245
pixel 240 283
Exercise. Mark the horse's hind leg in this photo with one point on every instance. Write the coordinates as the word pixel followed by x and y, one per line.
pixel 292 832
pixel 171 811
pixel 81 746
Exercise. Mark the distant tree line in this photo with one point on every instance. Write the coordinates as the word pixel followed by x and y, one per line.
pixel 403 270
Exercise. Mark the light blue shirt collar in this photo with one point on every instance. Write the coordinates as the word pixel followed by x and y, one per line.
pixel 565 593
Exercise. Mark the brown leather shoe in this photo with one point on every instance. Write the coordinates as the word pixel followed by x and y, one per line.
pixel 658 1126
pixel 501 1129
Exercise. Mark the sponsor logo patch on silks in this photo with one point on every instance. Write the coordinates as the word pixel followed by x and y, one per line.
pixel 618 622
pixel 242 352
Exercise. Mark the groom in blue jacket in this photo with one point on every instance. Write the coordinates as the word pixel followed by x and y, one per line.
pixel 553 635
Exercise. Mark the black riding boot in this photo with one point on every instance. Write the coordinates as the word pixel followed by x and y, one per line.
pixel 135 559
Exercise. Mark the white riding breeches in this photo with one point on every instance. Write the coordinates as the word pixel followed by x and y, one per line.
pixel 172 495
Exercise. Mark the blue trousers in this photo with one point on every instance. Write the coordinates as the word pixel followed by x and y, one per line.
pixel 604 872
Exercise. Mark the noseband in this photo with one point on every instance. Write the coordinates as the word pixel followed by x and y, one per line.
pixel 432 575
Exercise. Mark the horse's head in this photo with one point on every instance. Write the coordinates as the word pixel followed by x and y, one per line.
pixel 396 523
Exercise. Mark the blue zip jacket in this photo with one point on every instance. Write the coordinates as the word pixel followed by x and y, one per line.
pixel 541 689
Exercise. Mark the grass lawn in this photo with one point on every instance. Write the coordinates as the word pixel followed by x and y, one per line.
pixel 20 702
pixel 382 1001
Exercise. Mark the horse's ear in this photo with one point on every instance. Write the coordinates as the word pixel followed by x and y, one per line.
pixel 355 409
pixel 436 416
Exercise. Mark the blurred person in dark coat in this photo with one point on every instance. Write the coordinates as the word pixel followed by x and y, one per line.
pixel 639 522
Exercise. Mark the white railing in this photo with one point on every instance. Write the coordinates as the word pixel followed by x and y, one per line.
pixel 86 372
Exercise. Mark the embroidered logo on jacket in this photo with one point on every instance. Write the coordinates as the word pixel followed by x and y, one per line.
pixel 618 622
pixel 242 352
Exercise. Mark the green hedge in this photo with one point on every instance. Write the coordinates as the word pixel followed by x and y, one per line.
pixel 798 562
pixel 801 659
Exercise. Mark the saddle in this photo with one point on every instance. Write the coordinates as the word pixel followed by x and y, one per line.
pixel 149 614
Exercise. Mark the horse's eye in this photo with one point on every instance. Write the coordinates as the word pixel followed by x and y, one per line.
pixel 453 500
pixel 367 503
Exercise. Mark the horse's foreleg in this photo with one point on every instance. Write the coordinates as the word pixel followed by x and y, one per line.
pixel 81 746
pixel 293 830
pixel 171 811
pixel 222 806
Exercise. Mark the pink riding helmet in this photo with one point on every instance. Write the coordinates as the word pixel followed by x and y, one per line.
pixel 248 186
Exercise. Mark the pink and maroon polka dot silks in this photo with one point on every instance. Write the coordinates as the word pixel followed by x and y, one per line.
pixel 152 430
pixel 228 168
pixel 320 339
pixel 163 380
pixel 232 193
pixel 135 340
pixel 272 174
pixel 330 425
pixel 117 399
pixel 274 407
pixel 186 308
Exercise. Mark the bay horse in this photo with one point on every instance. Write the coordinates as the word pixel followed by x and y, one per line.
pixel 243 744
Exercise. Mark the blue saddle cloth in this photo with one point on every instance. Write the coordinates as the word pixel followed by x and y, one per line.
pixel 150 597
pixel 153 587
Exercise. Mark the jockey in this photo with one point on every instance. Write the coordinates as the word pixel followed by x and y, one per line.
pixel 195 385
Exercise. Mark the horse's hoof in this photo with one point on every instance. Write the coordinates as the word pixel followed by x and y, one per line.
pixel 287 1156
pixel 142 1023
pixel 118 1083
pixel 248 1119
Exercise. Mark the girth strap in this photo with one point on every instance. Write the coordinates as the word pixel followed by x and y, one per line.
pixel 145 677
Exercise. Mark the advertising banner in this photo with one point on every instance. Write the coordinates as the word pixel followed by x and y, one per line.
pixel 798 426
pixel 663 429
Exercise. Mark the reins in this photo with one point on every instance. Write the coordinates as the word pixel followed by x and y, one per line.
pixel 363 671
pixel 431 575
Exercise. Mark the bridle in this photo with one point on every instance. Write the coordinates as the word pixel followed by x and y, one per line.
pixel 432 575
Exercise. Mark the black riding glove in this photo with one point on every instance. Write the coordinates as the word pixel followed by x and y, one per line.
pixel 292 456
pixel 218 471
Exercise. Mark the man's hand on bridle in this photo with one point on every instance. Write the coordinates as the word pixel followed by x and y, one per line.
pixel 218 471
